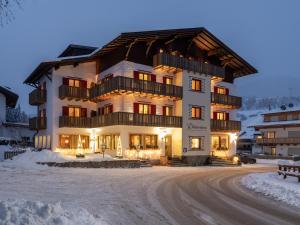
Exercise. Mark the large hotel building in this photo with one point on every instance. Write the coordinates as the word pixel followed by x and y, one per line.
pixel 155 94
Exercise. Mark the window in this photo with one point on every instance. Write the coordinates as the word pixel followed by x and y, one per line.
pixel 167 80
pixel 144 108
pixel 74 111
pixel 167 110
pixel 196 85
pixel 107 109
pixel 72 141
pixel 220 142
pixel 144 141
pixel 144 76
pixel 270 134
pixel 196 112
pixel 221 90
pixel 74 83
pixel 196 143
pixel 110 141
pixel 220 115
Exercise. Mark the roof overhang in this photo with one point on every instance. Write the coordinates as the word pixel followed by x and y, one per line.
pixel 11 97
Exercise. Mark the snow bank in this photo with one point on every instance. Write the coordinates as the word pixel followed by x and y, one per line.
pixel 273 185
pixel 29 159
pixel 274 161
pixel 20 212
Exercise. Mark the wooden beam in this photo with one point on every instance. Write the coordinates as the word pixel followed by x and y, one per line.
pixel 150 45
pixel 129 48
pixel 217 51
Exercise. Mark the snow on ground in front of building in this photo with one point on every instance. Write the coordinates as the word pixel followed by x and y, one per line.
pixel 277 161
pixel 20 212
pixel 30 158
pixel 273 185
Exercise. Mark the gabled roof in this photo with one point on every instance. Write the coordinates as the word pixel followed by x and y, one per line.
pixel 200 36
pixel 76 50
pixel 11 97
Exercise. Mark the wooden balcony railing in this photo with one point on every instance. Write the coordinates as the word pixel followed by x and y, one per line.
pixel 134 119
pixel 121 118
pixel 229 100
pixel 280 141
pixel 38 123
pixel 77 93
pixel 78 122
pixel 133 85
pixel 225 125
pixel 37 97
pixel 167 60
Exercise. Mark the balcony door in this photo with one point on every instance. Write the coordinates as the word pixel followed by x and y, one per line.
pixel 168 146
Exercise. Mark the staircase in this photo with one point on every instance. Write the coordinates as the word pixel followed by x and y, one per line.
pixel 217 161
pixel 176 162
pixel 145 163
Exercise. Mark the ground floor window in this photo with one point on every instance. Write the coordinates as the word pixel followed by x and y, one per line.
pixel 220 142
pixel 42 141
pixel 109 141
pixel 196 143
pixel 143 141
pixel 74 141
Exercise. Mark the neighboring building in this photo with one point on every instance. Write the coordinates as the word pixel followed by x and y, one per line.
pixel 279 132
pixel 156 94
pixel 12 131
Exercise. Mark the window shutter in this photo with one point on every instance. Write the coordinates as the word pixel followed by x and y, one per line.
pixel 136 107
pixel 153 77
pixel 227 91
pixel 102 111
pixel 83 112
pixel 164 80
pixel 93 113
pixel 216 89
pixel 136 75
pixel 111 109
pixel 99 111
pixel 227 116
pixel 164 110
pixel 65 81
pixel 215 115
pixel 65 111
pixel 83 83
pixel 44 113
pixel 153 109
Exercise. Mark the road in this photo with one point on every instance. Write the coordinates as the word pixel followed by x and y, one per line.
pixel 216 197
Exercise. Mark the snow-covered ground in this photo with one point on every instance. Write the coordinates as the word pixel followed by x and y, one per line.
pixel 273 185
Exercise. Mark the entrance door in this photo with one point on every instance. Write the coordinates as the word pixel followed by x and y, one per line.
pixel 273 151
pixel 168 146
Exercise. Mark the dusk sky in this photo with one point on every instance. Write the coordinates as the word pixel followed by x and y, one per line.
pixel 265 33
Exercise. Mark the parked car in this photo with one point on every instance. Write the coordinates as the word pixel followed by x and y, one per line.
pixel 247 159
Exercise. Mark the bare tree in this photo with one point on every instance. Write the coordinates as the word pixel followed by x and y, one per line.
pixel 6 10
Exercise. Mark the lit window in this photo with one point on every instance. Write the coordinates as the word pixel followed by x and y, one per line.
pixel 74 111
pixel 196 143
pixel 143 141
pixel 168 80
pixel 72 141
pixel 221 90
pixel 74 83
pixel 196 112
pixel 220 142
pixel 144 108
pixel 270 134
pixel 196 85
pixel 221 116
pixel 169 111
pixel 144 76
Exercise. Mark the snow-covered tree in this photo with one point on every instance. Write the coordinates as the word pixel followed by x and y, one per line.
pixel 6 11
pixel 16 115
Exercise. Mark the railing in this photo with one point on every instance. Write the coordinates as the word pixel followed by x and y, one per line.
pixel 78 93
pixel 234 101
pixel 225 125
pixel 134 85
pixel 121 118
pixel 273 141
pixel 37 97
pixel 38 123
pixel 11 154
pixel 79 122
pixel 163 59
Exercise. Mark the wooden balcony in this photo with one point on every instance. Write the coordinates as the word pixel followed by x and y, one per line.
pixel 225 125
pixel 170 62
pixel 278 141
pixel 130 85
pixel 37 97
pixel 38 123
pixel 121 118
pixel 78 122
pixel 76 93
pixel 227 101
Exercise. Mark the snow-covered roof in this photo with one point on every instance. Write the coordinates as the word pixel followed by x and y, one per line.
pixel 279 110
pixel 11 97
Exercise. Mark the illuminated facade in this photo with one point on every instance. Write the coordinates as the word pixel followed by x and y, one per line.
pixel 153 94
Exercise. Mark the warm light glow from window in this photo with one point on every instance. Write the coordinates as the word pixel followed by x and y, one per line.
pixel 144 76
pixel 196 112
pixel 196 85
pixel 144 108
pixel 196 143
